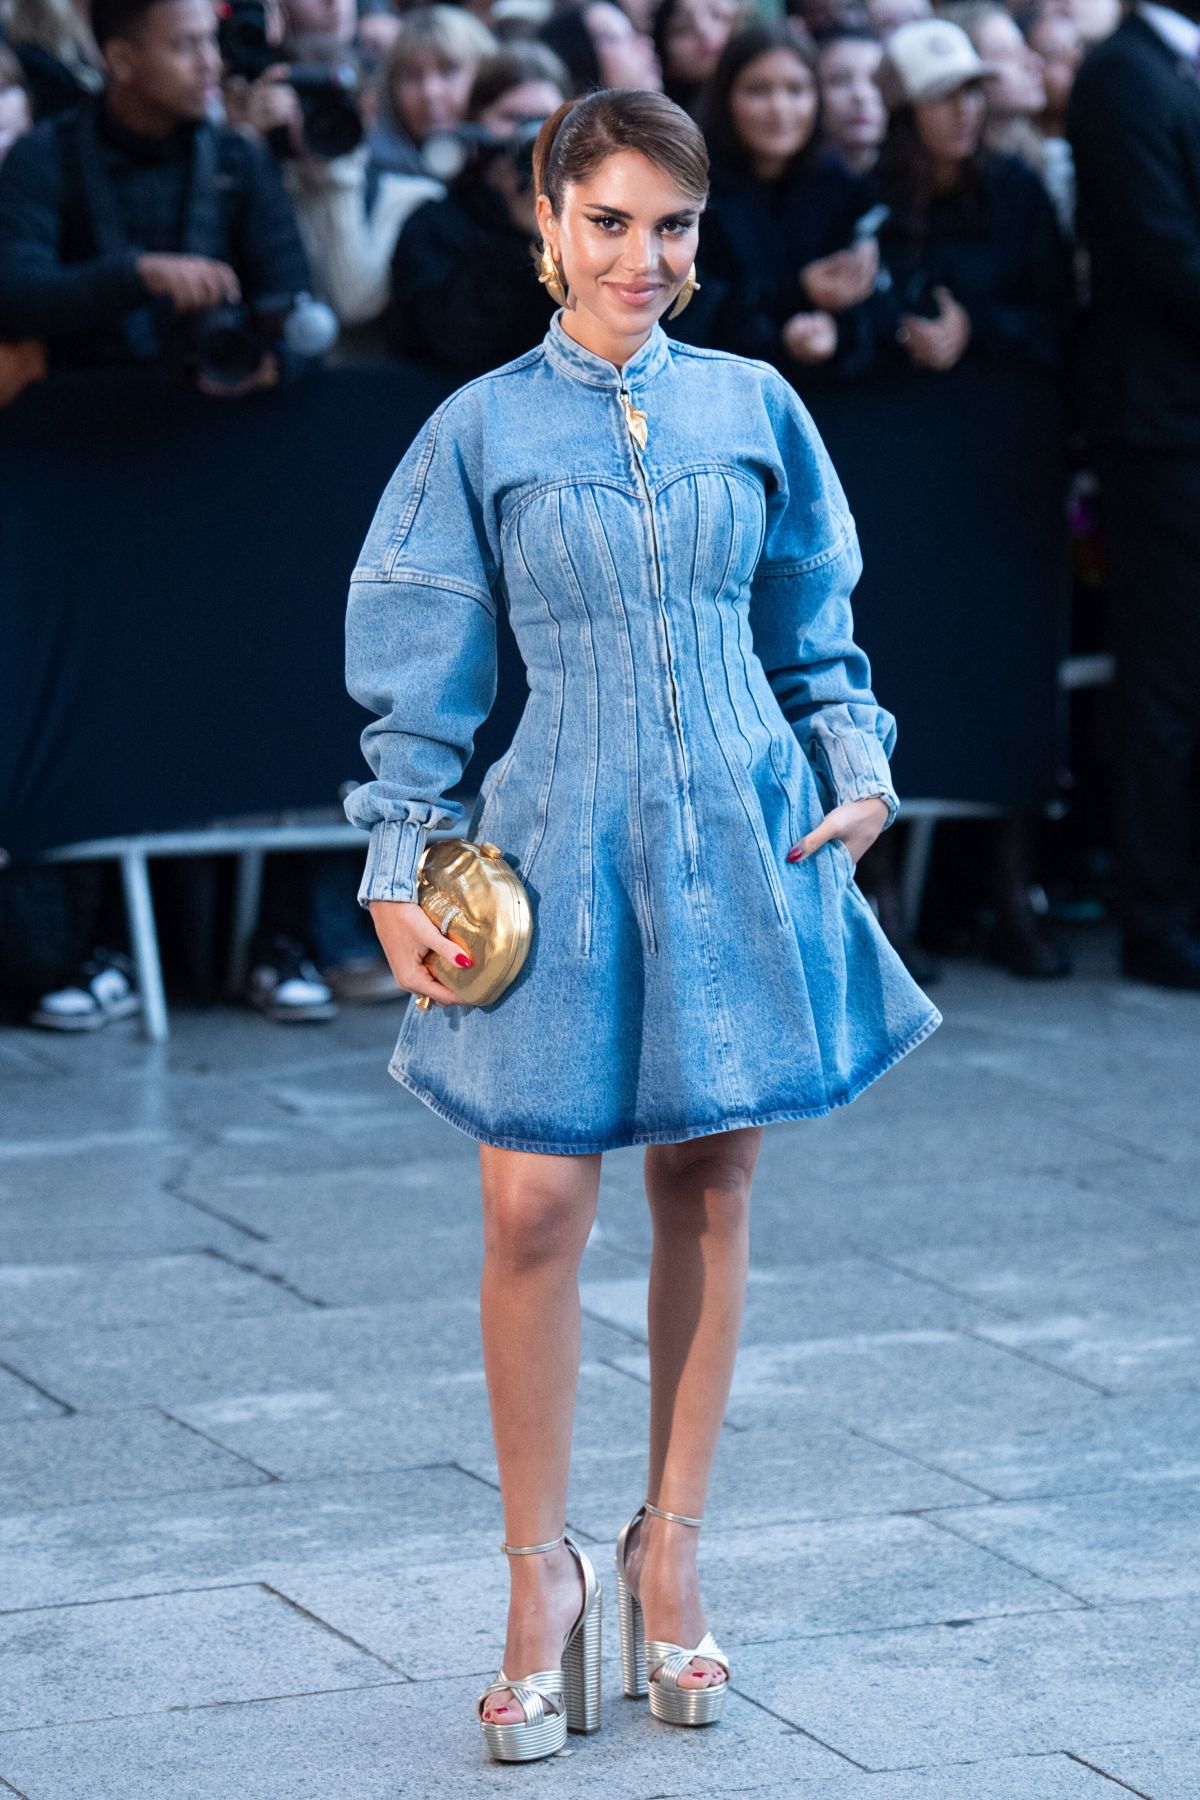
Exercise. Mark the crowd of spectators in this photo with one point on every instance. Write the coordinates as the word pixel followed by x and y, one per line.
pixel 894 186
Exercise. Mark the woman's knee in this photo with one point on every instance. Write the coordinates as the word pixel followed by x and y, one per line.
pixel 535 1215
pixel 708 1182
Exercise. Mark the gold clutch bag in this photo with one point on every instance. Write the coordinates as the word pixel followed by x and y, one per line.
pixel 476 898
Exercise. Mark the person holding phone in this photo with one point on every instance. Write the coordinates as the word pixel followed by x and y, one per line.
pixel 975 259
pixel 783 275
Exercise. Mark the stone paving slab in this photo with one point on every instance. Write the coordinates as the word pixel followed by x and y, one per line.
pixel 1114 1348
pixel 1083 1443
pixel 302 1433
pixel 809 1469
pixel 816 1300
pixel 941 1694
pixel 77 1663
pixel 891 1214
pixel 870 1380
pixel 1163 1771
pixel 365 1348
pixel 1047 1777
pixel 128 1548
pixel 80 1459
pixel 320 1256
pixel 247 1487
pixel 101 1200
pixel 1139 1543
pixel 775 1585
pixel 1136 1269
pixel 20 1399
pixel 416 1741
pixel 134 1290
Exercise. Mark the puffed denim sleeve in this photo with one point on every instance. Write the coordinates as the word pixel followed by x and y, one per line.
pixel 800 616
pixel 420 649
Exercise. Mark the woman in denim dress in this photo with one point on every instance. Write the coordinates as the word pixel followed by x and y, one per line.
pixel 699 765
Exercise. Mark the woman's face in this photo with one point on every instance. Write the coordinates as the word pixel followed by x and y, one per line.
pixel 520 105
pixel 1057 42
pixel 695 36
pixel 625 240
pixel 1017 90
pixel 887 16
pixel 429 94
pixel 336 19
pixel 951 128
pixel 773 106
pixel 852 108
pixel 627 57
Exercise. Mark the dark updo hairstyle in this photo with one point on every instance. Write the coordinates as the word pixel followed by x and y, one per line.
pixel 743 47
pixel 581 134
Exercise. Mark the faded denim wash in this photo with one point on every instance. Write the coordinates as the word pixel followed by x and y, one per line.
pixel 696 704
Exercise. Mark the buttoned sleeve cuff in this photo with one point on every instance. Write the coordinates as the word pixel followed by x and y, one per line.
pixel 851 765
pixel 392 856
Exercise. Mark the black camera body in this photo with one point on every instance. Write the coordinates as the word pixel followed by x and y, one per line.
pixel 919 298
pixel 226 344
pixel 328 91
pixel 467 150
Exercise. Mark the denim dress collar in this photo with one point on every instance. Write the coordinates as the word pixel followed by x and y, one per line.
pixel 573 359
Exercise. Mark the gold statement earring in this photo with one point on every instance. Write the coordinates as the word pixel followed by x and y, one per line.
pixel 691 286
pixel 552 276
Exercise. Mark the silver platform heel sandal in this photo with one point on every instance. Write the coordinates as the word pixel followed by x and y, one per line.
pixel 653 1666
pixel 555 1701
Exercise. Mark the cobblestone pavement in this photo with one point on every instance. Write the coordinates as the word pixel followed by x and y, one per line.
pixel 248 1506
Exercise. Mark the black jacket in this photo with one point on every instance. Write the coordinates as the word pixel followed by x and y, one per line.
pixel 1134 126
pixel 69 246
pixel 465 292
pixel 998 247
pixel 755 237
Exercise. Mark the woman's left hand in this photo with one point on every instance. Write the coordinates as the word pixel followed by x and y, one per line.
pixel 857 822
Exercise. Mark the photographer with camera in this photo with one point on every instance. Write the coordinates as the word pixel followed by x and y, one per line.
pixel 136 231
pixel 351 156
pixel 486 221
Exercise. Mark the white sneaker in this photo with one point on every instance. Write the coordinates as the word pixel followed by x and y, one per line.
pixel 287 986
pixel 106 992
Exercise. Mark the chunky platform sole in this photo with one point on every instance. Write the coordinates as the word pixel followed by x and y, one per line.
pixel 577 1681
pixel 673 1705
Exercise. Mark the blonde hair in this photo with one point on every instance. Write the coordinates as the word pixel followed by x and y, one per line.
pixel 454 36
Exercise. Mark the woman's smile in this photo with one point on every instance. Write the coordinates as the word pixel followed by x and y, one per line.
pixel 636 293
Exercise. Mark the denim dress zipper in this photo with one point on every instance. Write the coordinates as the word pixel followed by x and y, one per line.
pixel 636 422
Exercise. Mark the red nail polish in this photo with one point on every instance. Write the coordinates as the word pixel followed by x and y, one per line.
pixel 465 962
pixel 794 855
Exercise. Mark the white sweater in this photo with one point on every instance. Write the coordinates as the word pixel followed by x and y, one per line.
pixel 350 254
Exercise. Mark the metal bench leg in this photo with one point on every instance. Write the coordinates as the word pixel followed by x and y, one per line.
pixel 247 903
pixel 143 938
pixel 913 875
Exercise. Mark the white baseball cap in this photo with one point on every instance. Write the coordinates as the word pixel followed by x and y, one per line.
pixel 926 60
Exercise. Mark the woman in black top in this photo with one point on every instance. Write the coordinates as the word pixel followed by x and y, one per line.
pixel 976 262
pixel 486 223
pixel 779 279
pixel 974 267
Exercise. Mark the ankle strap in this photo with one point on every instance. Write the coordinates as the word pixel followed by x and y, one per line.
pixel 532 1549
pixel 678 1518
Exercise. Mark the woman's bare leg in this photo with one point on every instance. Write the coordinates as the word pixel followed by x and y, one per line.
pixel 699 1194
pixel 537 1213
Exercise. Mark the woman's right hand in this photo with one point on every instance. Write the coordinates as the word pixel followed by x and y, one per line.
pixel 810 337
pixel 407 934
pixel 844 279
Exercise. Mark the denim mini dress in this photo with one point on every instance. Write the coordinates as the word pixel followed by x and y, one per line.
pixel 696 704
